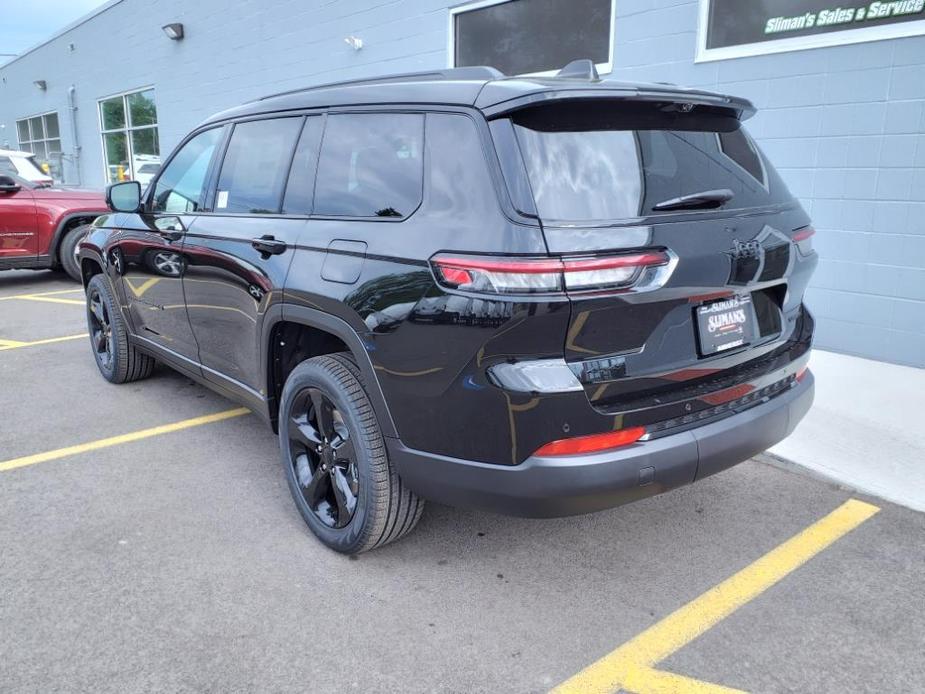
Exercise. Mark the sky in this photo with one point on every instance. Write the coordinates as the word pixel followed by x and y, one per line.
pixel 24 24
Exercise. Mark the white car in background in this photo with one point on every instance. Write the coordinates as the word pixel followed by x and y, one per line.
pixel 146 167
pixel 24 165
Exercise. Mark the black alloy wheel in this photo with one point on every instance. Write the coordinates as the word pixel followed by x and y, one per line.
pixel 118 360
pixel 335 459
pixel 100 328
pixel 323 458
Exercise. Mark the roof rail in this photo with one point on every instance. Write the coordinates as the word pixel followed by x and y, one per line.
pixel 476 72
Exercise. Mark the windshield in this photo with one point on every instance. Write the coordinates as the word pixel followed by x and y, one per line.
pixel 612 162
pixel 29 168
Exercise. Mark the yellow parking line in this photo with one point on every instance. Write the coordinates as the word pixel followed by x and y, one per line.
pixel 13 344
pixel 122 438
pixel 631 665
pixel 51 299
pixel 35 294
pixel 639 678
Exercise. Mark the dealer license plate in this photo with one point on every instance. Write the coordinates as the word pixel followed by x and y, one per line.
pixel 725 324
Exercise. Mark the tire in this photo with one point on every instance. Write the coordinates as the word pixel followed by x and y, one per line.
pixel 66 251
pixel 117 359
pixel 324 476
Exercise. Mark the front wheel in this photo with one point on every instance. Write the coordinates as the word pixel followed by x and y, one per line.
pixel 117 359
pixel 336 462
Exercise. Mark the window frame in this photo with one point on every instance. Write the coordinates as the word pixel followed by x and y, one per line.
pixel 477 117
pixel 797 43
pixel 45 139
pixel 126 129
pixel 453 12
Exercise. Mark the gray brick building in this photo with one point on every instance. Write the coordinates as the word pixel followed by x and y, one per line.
pixel 842 101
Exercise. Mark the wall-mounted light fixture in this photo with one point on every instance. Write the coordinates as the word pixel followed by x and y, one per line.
pixel 41 84
pixel 355 42
pixel 174 31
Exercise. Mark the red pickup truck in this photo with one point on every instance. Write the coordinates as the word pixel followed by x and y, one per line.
pixel 40 225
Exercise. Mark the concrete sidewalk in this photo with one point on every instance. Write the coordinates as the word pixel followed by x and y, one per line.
pixel 866 429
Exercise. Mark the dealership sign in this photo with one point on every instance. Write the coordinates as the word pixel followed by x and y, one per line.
pixel 737 28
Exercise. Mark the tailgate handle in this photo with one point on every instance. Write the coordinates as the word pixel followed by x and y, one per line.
pixel 268 245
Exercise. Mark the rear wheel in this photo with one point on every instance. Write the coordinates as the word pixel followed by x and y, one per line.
pixel 336 462
pixel 66 249
pixel 117 359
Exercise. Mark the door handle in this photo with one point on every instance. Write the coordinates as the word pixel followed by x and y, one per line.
pixel 268 245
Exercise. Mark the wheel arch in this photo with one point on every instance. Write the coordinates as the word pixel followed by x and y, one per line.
pixel 65 224
pixel 315 333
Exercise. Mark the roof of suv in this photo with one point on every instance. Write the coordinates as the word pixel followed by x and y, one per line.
pixel 482 87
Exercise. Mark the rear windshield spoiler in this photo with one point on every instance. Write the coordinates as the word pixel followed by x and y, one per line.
pixel 740 108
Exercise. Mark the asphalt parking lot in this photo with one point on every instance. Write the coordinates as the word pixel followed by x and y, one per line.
pixel 146 545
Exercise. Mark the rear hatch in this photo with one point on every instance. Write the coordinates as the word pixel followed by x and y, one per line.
pixel 723 304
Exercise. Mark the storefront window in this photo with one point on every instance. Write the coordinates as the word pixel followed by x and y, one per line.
pixel 131 147
pixel 524 37
pixel 42 136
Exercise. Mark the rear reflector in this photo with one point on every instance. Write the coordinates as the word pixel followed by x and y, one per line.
pixel 801 374
pixel 544 275
pixel 592 443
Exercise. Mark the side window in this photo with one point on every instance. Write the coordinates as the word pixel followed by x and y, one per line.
pixel 301 186
pixel 6 166
pixel 371 165
pixel 255 166
pixel 739 147
pixel 181 186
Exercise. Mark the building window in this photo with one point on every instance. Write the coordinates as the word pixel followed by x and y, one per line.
pixel 42 136
pixel 736 29
pixel 131 149
pixel 531 36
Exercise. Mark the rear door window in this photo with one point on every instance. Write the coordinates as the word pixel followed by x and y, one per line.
pixel 256 165
pixel 371 165
pixel 611 162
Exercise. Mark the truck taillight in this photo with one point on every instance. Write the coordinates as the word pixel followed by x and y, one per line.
pixel 545 275
pixel 803 238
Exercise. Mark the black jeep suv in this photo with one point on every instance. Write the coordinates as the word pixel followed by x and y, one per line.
pixel 538 296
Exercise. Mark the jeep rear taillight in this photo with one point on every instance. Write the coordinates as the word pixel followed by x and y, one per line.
pixel 494 275
pixel 803 238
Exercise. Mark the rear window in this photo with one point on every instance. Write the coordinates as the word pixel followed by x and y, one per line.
pixel 619 161
pixel 255 166
pixel 371 165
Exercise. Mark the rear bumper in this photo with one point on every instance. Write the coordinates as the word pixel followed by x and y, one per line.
pixel 562 486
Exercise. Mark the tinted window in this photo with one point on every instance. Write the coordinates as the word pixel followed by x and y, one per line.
pixel 602 164
pixel 180 187
pixel 739 147
pixel 6 166
pixel 300 189
pixel 371 165
pixel 255 166
pixel 533 35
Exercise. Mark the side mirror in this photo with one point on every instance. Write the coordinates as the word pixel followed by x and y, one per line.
pixel 124 197
pixel 8 184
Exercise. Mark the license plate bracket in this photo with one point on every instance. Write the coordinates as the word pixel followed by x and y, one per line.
pixel 725 324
